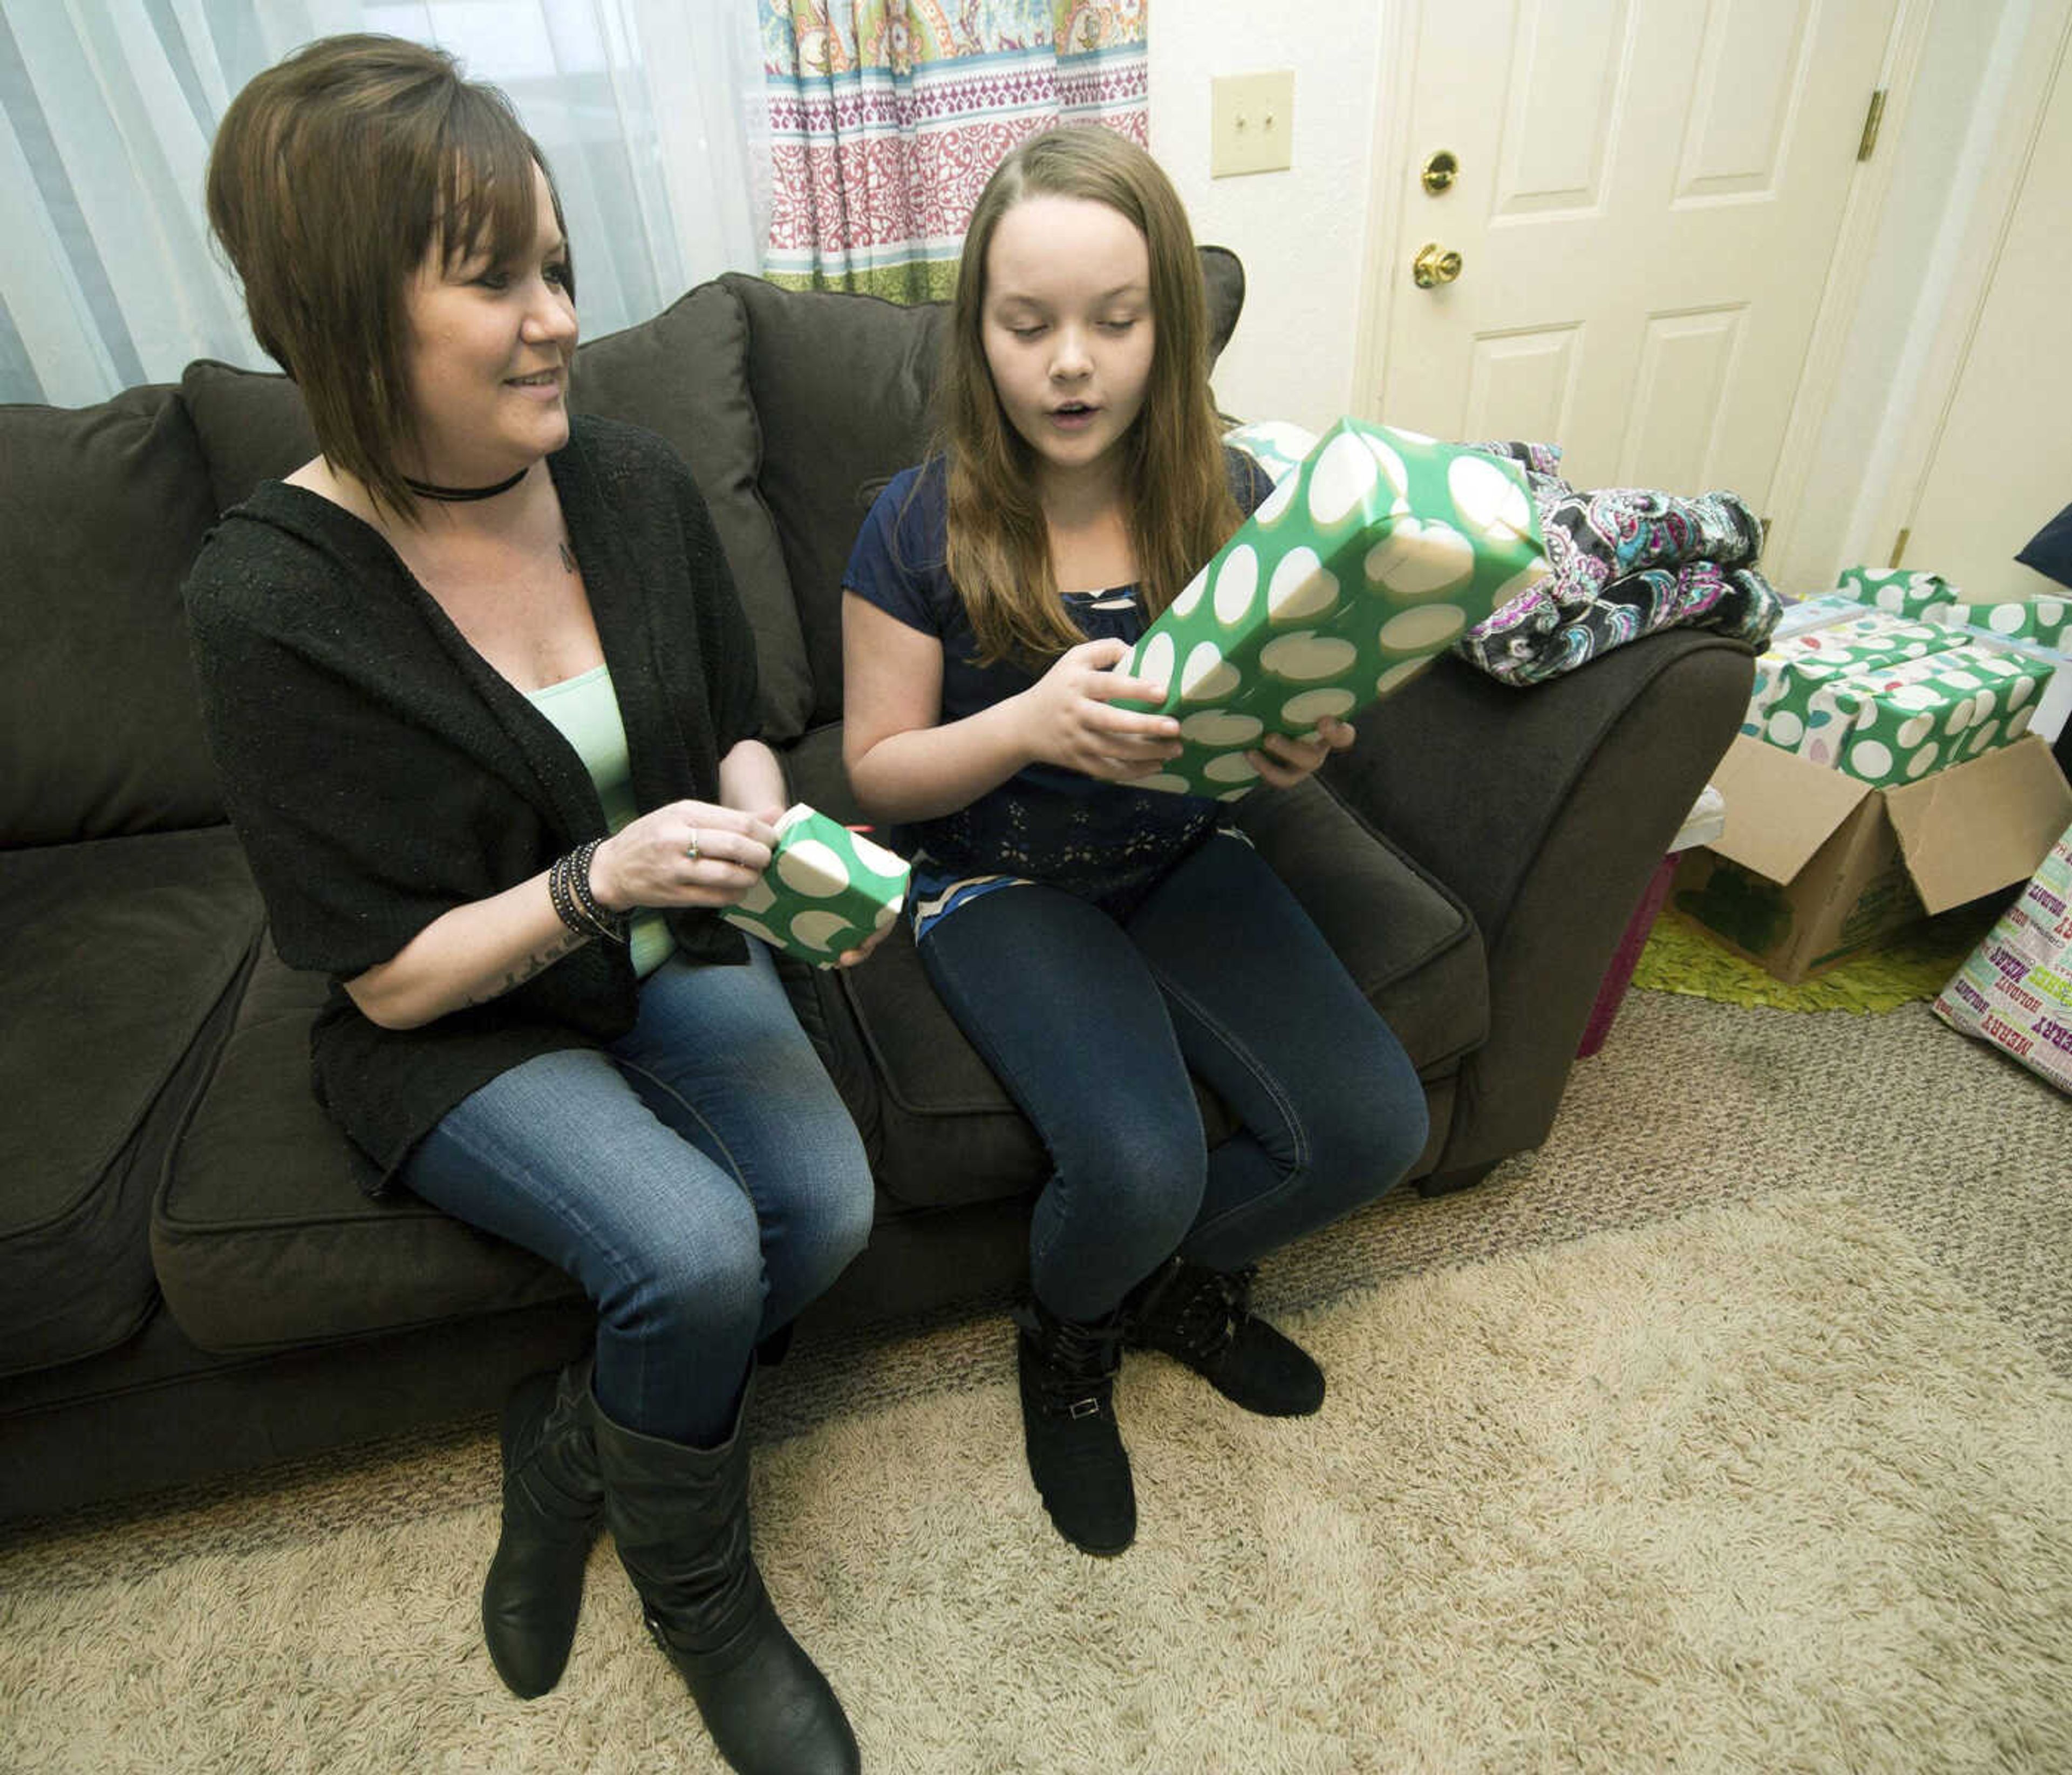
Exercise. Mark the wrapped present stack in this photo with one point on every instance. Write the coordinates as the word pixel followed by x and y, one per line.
pixel 1371 557
pixel 1887 699
pixel 826 890
pixel 1886 769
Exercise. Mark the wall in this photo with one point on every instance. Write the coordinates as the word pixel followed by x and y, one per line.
pixel 1301 234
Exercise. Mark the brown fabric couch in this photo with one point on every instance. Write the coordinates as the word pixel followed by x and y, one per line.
pixel 190 1282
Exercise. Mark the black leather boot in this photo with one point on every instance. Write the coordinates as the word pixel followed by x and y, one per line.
pixel 1067 1370
pixel 553 1505
pixel 1203 1317
pixel 679 1516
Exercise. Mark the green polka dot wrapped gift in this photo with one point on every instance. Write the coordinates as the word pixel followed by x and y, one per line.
pixel 1787 709
pixel 1373 555
pixel 1899 723
pixel 827 889
pixel 1919 597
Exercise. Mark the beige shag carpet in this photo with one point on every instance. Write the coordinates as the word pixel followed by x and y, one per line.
pixel 1731 1430
pixel 1757 1487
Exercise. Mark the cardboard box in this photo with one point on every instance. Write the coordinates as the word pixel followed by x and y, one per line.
pixel 1814 866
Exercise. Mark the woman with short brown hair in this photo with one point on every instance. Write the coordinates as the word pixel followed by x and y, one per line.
pixel 483 704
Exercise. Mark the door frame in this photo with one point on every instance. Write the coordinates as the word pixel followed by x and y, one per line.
pixel 1906 450
pixel 1386 275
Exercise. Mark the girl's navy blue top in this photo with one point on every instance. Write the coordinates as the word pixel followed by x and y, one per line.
pixel 1106 842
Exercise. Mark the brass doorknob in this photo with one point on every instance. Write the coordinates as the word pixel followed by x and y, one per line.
pixel 1434 265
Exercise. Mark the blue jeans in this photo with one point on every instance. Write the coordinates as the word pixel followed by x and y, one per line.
pixel 1092 1022
pixel 700 1179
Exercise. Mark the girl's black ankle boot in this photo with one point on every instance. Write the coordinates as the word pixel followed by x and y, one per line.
pixel 1067 1370
pixel 679 1517
pixel 553 1502
pixel 1203 1318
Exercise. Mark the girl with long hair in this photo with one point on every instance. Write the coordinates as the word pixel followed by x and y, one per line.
pixel 1095 942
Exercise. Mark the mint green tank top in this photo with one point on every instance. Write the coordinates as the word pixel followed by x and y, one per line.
pixel 585 709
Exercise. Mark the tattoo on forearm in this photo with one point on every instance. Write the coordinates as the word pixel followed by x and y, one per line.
pixel 537 962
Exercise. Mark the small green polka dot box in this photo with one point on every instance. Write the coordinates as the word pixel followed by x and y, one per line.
pixel 1371 557
pixel 1928 597
pixel 827 889
pixel 2047 621
pixel 1897 723
pixel 1921 597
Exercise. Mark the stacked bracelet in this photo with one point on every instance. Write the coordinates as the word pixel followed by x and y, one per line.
pixel 568 886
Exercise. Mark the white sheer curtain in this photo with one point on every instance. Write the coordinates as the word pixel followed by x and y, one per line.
pixel 650 113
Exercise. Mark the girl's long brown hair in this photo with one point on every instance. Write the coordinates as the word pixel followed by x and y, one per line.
pixel 1180 508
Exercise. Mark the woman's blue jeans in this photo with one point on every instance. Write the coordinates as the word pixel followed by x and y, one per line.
pixel 700 1179
pixel 1092 1022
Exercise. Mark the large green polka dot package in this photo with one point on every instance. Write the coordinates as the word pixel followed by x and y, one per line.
pixel 1369 558
pixel 826 890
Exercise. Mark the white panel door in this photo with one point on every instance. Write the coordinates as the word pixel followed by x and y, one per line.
pixel 1647 201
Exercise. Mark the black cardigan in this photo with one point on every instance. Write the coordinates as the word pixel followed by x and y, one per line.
pixel 380 771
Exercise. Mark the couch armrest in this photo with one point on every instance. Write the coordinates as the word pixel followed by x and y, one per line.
pixel 1546 810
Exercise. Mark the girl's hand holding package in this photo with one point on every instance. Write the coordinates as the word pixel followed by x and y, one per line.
pixel 1068 718
pixel 1283 759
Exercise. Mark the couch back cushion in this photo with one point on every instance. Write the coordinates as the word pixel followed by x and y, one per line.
pixel 842 385
pixel 101 509
pixel 252 426
pixel 684 374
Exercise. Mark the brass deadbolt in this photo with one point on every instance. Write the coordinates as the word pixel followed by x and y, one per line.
pixel 1440 172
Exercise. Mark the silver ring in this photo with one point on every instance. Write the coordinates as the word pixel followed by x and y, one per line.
pixel 691 849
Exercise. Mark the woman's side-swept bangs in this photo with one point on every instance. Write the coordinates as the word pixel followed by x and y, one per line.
pixel 482 179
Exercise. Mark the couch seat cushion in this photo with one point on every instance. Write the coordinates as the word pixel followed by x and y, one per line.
pixel 1413 949
pixel 940 1128
pixel 262 1236
pixel 119 959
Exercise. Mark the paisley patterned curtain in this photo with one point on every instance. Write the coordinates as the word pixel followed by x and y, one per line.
pixel 886 116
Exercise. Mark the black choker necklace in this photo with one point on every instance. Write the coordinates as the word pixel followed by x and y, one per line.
pixel 455 496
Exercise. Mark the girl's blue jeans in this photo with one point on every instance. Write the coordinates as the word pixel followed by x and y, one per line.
pixel 1092 1021
pixel 700 1179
